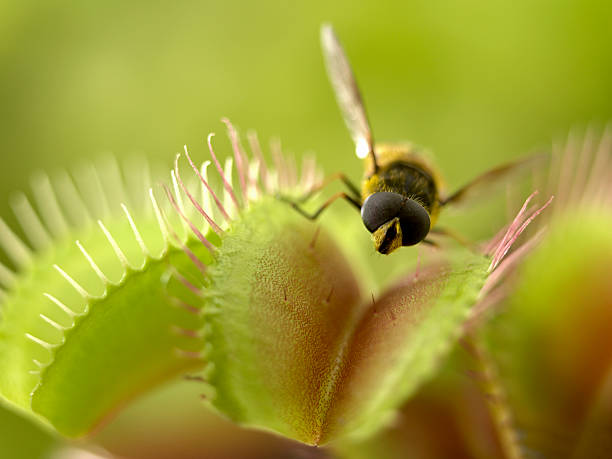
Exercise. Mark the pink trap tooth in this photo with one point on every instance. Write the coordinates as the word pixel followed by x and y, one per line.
pixel 197 232
pixel 513 235
pixel 210 190
pixel 263 168
pixel 192 256
pixel 226 184
pixel 512 227
pixel 239 158
pixel 210 221
pixel 279 162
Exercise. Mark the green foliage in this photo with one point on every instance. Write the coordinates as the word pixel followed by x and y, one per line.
pixel 477 82
pixel 552 342
pixel 22 439
pixel 73 350
pixel 129 341
pixel 291 340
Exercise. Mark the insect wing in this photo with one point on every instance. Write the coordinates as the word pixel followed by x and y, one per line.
pixel 498 175
pixel 347 92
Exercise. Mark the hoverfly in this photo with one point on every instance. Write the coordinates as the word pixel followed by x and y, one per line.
pixel 401 194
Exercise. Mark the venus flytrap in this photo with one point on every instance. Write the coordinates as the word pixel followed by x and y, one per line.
pixel 244 294
pixel 296 346
pixel 86 322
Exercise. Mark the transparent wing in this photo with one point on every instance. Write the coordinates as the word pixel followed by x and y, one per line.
pixel 347 92
pixel 482 185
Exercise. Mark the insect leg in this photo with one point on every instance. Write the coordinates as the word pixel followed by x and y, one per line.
pixel 325 205
pixel 337 176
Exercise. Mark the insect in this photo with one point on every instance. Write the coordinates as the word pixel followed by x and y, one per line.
pixel 401 194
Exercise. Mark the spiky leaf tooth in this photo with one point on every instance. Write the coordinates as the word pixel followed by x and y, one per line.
pixel 86 327
pixel 129 341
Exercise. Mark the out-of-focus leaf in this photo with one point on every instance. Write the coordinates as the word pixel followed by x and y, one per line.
pixel 447 417
pixel 552 344
pixel 20 438
pixel 75 345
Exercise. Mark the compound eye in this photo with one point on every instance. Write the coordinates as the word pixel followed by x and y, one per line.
pixel 414 221
pixel 379 208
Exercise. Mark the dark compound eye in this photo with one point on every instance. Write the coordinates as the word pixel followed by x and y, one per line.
pixel 379 208
pixel 414 221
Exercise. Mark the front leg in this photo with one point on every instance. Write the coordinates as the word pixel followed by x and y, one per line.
pixel 337 176
pixel 325 205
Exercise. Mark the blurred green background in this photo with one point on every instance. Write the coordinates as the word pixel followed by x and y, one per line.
pixel 477 82
pixel 474 81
